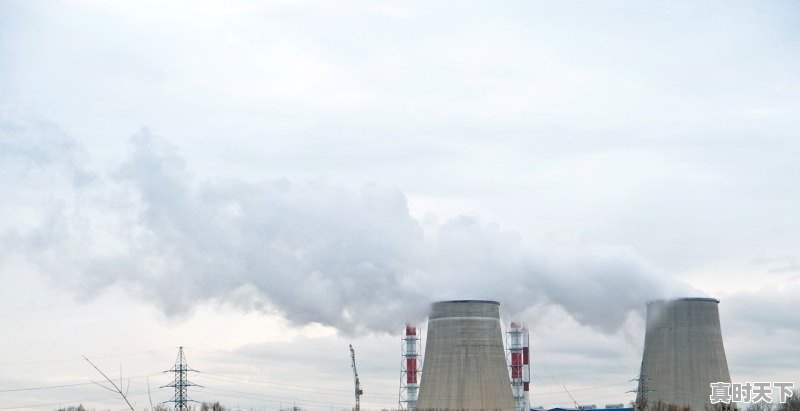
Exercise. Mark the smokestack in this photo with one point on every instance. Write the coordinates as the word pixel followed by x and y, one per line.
pixel 683 353
pixel 518 363
pixel 409 378
pixel 526 371
pixel 465 364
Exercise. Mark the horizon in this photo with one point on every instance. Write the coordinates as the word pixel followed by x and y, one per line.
pixel 264 183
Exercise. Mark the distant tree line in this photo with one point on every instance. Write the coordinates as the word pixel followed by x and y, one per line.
pixel 792 404
pixel 205 406
pixel 212 406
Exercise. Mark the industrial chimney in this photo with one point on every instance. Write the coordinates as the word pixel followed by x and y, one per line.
pixel 409 368
pixel 683 353
pixel 465 364
pixel 517 344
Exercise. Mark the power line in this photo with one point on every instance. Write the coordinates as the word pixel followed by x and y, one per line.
pixel 200 373
pixel 107 397
pixel 181 382
pixel 595 387
pixel 77 359
pixel 275 383
pixel 47 387
pixel 311 390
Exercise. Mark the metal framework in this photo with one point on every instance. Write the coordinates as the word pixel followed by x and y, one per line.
pixel 519 365
pixel 410 367
pixel 181 382
pixel 358 391
pixel 642 391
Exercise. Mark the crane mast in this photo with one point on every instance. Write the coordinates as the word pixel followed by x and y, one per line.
pixel 359 391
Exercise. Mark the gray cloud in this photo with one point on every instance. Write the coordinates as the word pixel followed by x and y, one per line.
pixel 765 310
pixel 670 130
pixel 311 251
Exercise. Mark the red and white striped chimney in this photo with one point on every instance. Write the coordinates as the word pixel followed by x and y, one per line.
pixel 518 365
pixel 409 383
pixel 526 370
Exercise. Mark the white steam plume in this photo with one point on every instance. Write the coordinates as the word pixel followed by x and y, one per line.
pixel 310 251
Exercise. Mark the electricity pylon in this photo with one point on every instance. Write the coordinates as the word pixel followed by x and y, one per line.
pixel 181 383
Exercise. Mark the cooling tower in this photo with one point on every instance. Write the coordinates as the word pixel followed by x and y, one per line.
pixel 683 353
pixel 465 364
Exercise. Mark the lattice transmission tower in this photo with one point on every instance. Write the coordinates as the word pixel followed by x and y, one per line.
pixel 181 383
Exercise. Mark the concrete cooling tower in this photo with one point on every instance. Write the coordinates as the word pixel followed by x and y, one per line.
pixel 465 364
pixel 683 353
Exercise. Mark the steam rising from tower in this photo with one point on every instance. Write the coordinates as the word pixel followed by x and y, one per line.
pixel 683 353
pixel 465 364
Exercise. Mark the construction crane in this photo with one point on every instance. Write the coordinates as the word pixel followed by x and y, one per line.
pixel 359 391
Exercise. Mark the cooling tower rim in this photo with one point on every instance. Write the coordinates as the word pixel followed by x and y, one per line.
pixel 467 301
pixel 672 300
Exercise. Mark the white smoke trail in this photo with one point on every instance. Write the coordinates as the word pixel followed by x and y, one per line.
pixel 310 251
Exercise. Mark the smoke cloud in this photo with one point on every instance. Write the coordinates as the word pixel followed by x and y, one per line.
pixel 309 251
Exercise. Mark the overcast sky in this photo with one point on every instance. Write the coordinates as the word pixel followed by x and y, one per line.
pixel 267 182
